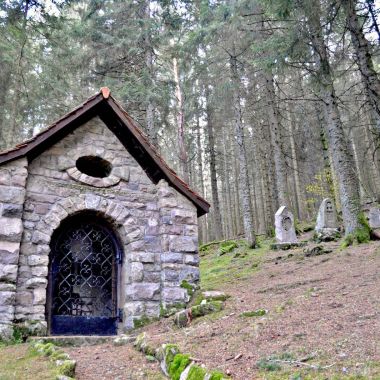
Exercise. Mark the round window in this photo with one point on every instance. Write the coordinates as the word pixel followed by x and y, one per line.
pixel 94 166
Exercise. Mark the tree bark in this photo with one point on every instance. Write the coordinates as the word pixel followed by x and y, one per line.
pixel 363 59
pixel 279 158
pixel 182 151
pixel 212 162
pixel 243 173
pixel 343 162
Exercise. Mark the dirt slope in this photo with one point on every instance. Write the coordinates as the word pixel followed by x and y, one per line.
pixel 323 312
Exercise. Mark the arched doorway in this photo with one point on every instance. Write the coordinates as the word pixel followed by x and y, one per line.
pixel 83 277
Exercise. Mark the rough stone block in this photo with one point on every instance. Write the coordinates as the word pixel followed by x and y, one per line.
pixel 11 210
pixel 11 194
pixel 7 298
pixel 40 271
pixel 35 260
pixel 174 294
pixel 189 274
pixel 136 272
pixel 36 282
pixel 9 252
pixel 143 291
pixel 24 298
pixel 191 259
pixel 10 229
pixel 133 308
pixel 39 296
pixel 143 257
pixel 184 216
pixel 171 257
pixel 8 273
pixel 182 244
pixel 40 238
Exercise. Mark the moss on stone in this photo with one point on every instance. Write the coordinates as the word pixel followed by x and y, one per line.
pixel 189 288
pixel 206 308
pixel 178 365
pixel 255 313
pixel 167 312
pixel 66 367
pixel 143 321
pixel 228 246
pixel 216 375
pixel 170 351
pixel 360 235
pixel 196 373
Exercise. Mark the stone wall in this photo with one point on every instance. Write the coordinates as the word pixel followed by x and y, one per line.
pixel 156 225
pixel 12 194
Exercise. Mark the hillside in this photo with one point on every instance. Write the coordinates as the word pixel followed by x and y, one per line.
pixel 322 318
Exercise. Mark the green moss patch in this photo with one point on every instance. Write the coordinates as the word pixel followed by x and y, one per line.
pixel 196 373
pixel 255 313
pixel 178 365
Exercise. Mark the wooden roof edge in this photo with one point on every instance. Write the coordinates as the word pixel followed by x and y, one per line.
pixel 170 174
pixel 23 148
pixel 29 146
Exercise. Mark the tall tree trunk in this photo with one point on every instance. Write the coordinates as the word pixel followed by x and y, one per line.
pixel 243 174
pixel 147 40
pixel 363 59
pixel 343 162
pixel 212 161
pixel 182 151
pixel 279 158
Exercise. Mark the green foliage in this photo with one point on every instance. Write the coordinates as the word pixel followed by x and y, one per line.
pixel 196 373
pixel 228 246
pixel 255 313
pixel 178 365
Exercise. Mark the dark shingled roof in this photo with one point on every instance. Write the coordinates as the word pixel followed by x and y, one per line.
pixel 122 125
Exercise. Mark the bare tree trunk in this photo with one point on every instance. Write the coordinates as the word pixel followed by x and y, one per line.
pixel 343 162
pixel 279 159
pixel 363 59
pixel 243 174
pixel 183 156
pixel 214 182
pixel 149 81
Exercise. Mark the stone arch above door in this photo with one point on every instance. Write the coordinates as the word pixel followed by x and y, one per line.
pixel 118 215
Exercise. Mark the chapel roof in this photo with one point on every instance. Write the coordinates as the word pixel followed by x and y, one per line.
pixel 124 127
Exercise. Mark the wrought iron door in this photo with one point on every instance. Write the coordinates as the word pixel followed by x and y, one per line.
pixel 83 279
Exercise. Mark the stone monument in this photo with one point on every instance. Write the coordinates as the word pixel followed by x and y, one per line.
pixel 327 227
pixel 284 224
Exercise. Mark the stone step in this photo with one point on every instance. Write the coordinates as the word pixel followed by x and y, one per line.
pixel 74 340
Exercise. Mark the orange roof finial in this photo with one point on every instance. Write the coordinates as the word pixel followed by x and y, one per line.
pixel 105 92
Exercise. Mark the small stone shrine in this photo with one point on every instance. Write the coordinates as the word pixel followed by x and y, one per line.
pixel 96 231
pixel 326 216
pixel 284 225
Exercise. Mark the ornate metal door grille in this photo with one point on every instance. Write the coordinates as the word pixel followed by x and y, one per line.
pixel 83 277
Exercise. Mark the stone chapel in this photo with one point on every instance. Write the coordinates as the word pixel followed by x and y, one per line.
pixel 96 231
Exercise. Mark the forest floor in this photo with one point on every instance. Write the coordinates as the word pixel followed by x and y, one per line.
pixel 322 320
